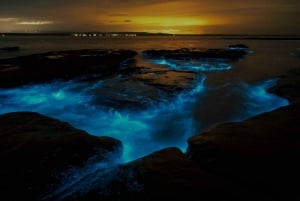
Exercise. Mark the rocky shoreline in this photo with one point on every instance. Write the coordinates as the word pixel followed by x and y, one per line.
pixel 65 65
pixel 35 150
pixel 260 153
pixel 251 160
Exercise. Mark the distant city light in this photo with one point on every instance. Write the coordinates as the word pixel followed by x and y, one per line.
pixel 104 34
pixel 35 22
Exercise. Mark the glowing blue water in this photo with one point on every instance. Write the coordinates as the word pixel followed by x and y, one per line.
pixel 193 65
pixel 166 123
pixel 259 100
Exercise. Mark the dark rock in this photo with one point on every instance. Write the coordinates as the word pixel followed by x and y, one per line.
pixel 126 94
pixel 169 175
pixel 141 87
pixel 35 150
pixel 164 175
pixel 64 65
pixel 167 80
pixel 8 49
pixel 288 86
pixel 192 54
pixel 259 154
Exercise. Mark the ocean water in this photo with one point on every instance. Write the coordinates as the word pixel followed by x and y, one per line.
pixel 220 93
pixel 232 93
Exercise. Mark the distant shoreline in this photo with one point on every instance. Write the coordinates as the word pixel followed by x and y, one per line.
pixel 137 34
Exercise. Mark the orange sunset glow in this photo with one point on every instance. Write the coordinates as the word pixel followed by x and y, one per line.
pixel 170 17
pixel 169 24
pixel 149 100
pixel 177 17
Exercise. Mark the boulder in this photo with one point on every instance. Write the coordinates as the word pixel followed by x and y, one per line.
pixel 35 150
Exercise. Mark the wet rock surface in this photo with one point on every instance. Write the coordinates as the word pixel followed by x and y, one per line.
pixel 259 154
pixel 169 174
pixel 162 81
pixel 125 85
pixel 197 54
pixel 163 175
pixel 65 65
pixel 166 79
pixel 35 150
pixel 140 87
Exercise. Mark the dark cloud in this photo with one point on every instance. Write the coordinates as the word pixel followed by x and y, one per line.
pixel 40 4
pixel 57 8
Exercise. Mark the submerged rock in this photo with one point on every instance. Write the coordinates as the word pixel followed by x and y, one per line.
pixel 196 54
pixel 35 150
pixel 238 47
pixel 64 65
pixel 141 87
pixel 166 79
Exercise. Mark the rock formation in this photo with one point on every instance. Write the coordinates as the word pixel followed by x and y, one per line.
pixel 65 65
pixel 35 150
pixel 259 154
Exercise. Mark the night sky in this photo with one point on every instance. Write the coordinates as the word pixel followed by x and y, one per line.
pixel 176 16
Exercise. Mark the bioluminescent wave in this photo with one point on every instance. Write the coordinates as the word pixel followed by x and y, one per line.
pixel 193 65
pixel 99 177
pixel 165 123
pixel 235 102
pixel 259 100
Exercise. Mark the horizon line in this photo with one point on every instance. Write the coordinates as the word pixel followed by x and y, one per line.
pixel 138 32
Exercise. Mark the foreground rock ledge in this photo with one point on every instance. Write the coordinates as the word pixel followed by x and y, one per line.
pixel 260 154
pixel 35 149
pixel 163 175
